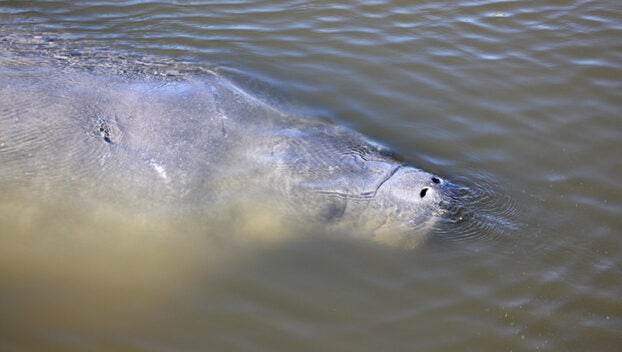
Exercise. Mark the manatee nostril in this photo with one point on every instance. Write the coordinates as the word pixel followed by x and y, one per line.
pixel 436 180
pixel 423 192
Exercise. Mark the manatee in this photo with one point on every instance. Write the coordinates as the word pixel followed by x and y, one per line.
pixel 198 142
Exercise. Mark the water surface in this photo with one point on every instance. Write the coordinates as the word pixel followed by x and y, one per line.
pixel 518 100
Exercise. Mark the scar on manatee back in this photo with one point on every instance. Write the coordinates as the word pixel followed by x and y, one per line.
pixel 103 129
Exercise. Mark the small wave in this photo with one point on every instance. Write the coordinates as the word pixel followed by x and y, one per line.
pixel 481 210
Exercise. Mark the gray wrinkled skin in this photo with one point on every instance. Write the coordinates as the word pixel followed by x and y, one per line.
pixel 198 143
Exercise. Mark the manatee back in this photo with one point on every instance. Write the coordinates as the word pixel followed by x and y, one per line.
pixel 128 140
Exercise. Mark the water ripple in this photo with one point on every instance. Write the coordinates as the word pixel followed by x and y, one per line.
pixel 482 210
pixel 522 98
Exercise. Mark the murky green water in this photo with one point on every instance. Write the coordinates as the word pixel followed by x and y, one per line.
pixel 522 97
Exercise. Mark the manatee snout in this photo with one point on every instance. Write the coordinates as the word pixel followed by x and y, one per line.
pixel 409 200
pixel 435 187
pixel 420 188
pixel 443 198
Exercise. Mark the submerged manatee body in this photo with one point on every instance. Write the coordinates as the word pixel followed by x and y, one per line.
pixel 198 142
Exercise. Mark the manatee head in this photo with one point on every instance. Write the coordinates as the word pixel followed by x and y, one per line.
pixel 407 204
pixel 355 185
